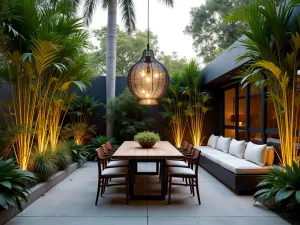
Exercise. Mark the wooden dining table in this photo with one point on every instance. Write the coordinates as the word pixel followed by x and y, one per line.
pixel 159 153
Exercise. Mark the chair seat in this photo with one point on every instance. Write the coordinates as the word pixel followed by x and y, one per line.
pixel 179 171
pixel 118 171
pixel 176 163
pixel 118 163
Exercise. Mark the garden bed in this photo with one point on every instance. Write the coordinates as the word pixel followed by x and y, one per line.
pixel 39 190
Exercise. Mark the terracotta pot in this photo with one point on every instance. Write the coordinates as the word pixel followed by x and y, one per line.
pixel 147 144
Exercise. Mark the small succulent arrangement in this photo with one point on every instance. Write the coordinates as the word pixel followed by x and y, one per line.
pixel 147 139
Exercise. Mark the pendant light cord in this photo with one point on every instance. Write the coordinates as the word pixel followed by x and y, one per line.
pixel 148 27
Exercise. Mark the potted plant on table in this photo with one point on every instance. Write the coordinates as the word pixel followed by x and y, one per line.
pixel 147 139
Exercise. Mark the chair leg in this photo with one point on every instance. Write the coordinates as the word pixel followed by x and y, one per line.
pixel 198 194
pixel 105 183
pixel 102 187
pixel 186 182
pixel 127 190
pixel 193 186
pixel 98 190
pixel 190 183
pixel 170 187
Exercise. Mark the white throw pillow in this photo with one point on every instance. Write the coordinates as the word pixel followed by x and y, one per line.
pixel 256 154
pixel 223 144
pixel 237 148
pixel 212 141
pixel 270 155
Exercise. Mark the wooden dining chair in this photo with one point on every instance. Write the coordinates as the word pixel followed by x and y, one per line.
pixel 190 174
pixel 110 147
pixel 184 145
pixel 104 174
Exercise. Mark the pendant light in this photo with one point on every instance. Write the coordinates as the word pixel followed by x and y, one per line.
pixel 148 79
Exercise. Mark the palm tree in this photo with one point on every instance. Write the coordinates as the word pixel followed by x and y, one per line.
pixel 128 17
pixel 272 42
pixel 43 67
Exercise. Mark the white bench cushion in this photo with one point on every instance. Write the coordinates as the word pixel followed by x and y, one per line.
pixel 223 144
pixel 212 141
pixel 241 166
pixel 205 149
pixel 256 154
pixel 216 155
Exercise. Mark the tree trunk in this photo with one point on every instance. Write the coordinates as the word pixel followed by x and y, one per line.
pixel 111 51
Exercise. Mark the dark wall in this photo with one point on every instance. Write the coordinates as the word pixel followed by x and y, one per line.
pixel 212 123
pixel 98 91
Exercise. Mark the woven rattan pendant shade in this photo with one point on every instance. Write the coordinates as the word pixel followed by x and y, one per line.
pixel 148 79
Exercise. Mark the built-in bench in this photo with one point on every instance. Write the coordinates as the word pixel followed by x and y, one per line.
pixel 238 173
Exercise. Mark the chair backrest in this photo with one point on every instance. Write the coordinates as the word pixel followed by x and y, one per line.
pixel 105 148
pixel 189 148
pixel 108 144
pixel 100 160
pixel 195 159
pixel 185 144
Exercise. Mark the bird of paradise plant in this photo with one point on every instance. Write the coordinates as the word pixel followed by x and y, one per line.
pixel 272 43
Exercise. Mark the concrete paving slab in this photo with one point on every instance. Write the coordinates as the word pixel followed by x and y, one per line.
pixel 216 221
pixel 72 202
pixel 78 221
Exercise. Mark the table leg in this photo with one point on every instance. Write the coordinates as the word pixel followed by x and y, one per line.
pixel 131 177
pixel 164 182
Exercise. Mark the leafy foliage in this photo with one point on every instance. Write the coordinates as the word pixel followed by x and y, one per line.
pixel 210 33
pixel 80 131
pixel 13 184
pixel 63 156
pixel 272 43
pixel 82 108
pixel 281 184
pixel 147 136
pixel 97 142
pixel 128 116
pixel 8 137
pixel 127 11
pixel 43 164
pixel 45 64
pixel 185 104
pixel 78 152
pixel 129 50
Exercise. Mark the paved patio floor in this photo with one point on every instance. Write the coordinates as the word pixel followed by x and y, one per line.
pixel 71 202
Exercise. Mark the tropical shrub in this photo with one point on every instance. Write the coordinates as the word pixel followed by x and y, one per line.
pixel 82 108
pixel 63 156
pixel 45 63
pixel 281 184
pixel 97 142
pixel 81 132
pixel 185 105
pixel 78 152
pixel 272 43
pixel 13 184
pixel 43 164
pixel 8 137
pixel 129 116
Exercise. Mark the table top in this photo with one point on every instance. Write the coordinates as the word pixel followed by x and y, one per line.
pixel 161 150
